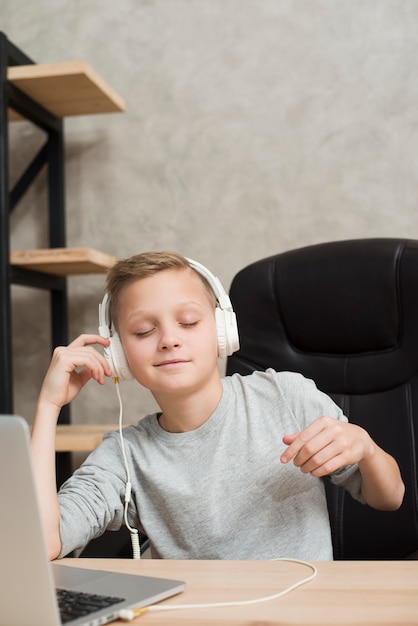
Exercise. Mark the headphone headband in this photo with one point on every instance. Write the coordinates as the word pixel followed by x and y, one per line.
pixel 215 284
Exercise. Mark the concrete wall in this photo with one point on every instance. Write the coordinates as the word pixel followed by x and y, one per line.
pixel 252 127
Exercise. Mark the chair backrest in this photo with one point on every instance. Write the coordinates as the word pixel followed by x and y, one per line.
pixel 345 314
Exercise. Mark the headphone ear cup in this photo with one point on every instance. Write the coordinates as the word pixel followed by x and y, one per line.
pixel 221 332
pixel 116 358
pixel 227 332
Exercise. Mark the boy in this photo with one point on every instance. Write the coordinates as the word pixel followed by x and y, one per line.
pixel 230 467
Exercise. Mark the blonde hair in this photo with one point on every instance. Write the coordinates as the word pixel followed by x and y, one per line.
pixel 127 271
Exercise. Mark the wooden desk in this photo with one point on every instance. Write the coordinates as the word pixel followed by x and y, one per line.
pixel 344 593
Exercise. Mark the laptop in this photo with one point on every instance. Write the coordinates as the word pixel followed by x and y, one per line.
pixel 28 581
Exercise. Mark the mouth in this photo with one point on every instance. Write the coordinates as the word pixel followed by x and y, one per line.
pixel 171 362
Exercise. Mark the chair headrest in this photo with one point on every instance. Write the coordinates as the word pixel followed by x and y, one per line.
pixel 340 298
pixel 346 305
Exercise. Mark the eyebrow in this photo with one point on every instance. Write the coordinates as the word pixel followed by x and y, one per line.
pixel 143 313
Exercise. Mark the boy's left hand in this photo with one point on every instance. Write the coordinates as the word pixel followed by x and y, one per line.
pixel 326 445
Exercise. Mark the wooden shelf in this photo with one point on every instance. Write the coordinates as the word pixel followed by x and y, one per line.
pixel 80 437
pixel 63 261
pixel 65 89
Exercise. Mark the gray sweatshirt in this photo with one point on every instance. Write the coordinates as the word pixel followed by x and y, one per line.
pixel 217 492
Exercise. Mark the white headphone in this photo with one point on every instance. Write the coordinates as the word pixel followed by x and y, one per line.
pixel 226 326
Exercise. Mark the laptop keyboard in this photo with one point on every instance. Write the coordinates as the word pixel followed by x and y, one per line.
pixel 75 604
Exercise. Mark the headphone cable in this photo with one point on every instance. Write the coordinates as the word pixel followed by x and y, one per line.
pixel 136 548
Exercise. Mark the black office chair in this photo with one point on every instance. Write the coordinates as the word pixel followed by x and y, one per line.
pixel 346 315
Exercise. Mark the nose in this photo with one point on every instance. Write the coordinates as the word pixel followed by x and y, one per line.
pixel 169 338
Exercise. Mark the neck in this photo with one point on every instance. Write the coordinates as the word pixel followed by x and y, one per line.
pixel 185 413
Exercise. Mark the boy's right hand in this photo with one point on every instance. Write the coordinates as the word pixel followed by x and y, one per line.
pixel 71 368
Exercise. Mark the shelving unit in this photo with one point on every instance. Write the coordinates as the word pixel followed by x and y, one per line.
pixel 65 89
pixel 80 437
pixel 63 261
pixel 43 94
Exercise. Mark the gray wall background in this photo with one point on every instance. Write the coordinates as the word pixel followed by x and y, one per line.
pixel 252 127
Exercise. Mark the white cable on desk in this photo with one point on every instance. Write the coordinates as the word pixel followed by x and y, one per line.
pixel 130 614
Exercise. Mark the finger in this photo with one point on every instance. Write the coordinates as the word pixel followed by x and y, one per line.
pixel 295 442
pixel 94 363
pixel 288 439
pixel 303 438
pixel 71 358
pixel 322 458
pixel 85 375
pixel 89 340
pixel 291 451
pixel 331 465
pixel 295 446
pixel 315 449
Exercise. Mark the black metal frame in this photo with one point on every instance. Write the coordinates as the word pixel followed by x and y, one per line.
pixel 50 155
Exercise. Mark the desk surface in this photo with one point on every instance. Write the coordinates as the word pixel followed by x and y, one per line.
pixel 343 592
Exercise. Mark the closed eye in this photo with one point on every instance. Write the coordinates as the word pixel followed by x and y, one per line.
pixel 188 324
pixel 144 333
